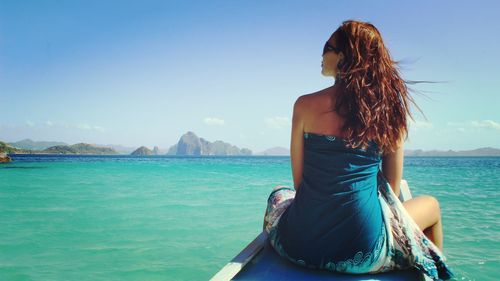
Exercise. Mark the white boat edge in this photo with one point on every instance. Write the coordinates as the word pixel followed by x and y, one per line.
pixel 251 250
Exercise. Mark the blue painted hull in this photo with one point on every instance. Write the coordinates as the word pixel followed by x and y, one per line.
pixel 268 265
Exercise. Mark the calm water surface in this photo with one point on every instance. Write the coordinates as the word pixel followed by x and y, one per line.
pixel 183 218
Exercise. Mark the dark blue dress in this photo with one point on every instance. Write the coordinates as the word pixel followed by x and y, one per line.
pixel 336 212
pixel 345 217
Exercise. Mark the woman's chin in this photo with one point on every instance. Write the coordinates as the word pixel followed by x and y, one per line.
pixel 325 73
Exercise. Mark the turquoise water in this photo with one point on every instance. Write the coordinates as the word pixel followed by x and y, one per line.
pixel 183 218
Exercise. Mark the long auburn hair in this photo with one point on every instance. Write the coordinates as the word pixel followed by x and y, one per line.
pixel 374 99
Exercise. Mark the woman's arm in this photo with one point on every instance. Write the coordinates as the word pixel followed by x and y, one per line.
pixel 392 167
pixel 297 142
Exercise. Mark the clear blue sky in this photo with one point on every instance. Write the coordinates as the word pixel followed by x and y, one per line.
pixel 145 72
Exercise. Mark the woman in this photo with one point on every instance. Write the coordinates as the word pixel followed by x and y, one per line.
pixel 343 213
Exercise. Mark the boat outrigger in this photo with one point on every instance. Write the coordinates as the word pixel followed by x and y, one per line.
pixel 259 261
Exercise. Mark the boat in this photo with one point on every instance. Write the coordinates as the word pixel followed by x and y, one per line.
pixel 258 261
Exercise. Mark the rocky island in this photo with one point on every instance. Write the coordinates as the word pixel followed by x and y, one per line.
pixel 6 149
pixel 191 144
pixel 79 148
pixel 9 149
pixel 4 158
pixel 144 151
pixel 275 151
pixel 29 144
pixel 478 152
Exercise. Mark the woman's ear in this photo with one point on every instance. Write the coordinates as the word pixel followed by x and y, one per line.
pixel 340 63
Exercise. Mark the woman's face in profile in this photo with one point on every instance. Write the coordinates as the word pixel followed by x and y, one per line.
pixel 330 58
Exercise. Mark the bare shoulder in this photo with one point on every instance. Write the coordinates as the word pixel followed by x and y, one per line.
pixel 302 100
pixel 305 101
pixel 300 104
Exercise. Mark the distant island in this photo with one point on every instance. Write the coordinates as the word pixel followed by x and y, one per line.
pixel 483 151
pixel 144 151
pixel 79 148
pixel 275 151
pixel 191 144
pixel 188 144
pixel 9 149
pixel 4 158
pixel 35 145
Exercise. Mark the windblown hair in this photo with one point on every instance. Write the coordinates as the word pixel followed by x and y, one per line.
pixel 374 99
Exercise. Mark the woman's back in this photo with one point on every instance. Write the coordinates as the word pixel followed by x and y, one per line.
pixel 318 116
pixel 336 216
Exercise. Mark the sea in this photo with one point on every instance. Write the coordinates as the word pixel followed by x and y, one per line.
pixel 184 218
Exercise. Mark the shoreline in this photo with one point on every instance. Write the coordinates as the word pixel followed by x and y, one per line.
pixel 217 156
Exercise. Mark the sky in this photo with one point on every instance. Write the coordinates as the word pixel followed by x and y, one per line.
pixel 145 72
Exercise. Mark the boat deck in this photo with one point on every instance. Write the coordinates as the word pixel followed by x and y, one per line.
pixel 268 265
